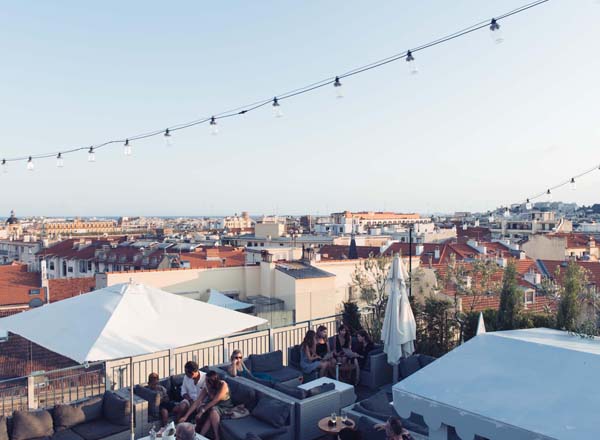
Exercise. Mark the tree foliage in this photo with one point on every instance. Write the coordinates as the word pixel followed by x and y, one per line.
pixel 510 300
pixel 572 289
pixel 436 327
pixel 351 316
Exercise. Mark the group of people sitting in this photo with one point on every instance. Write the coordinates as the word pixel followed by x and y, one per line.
pixel 316 353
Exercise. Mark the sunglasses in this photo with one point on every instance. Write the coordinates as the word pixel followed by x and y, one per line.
pixel 238 357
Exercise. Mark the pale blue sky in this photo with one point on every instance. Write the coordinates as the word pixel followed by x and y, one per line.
pixel 481 125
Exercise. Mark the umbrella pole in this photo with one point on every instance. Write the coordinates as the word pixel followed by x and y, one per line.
pixel 131 421
pixel 395 376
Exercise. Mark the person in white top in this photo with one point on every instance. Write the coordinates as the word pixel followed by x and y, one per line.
pixel 193 382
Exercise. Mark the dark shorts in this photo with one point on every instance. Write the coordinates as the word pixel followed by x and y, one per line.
pixel 168 405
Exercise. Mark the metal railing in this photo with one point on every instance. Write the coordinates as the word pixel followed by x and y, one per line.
pixel 47 389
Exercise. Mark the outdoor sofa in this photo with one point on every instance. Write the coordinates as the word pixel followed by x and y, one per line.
pixel 101 417
pixel 173 386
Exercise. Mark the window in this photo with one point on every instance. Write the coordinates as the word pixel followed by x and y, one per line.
pixel 34 291
pixel 529 297
pixel 82 266
pixel 51 265
pixel 70 269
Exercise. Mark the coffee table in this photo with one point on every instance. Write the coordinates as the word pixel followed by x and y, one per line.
pixel 347 394
pixel 335 429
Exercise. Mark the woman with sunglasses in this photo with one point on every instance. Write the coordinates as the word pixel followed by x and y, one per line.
pixel 237 367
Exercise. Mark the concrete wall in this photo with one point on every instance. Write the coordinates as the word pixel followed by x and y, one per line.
pixel 315 298
pixel 343 270
pixel 545 248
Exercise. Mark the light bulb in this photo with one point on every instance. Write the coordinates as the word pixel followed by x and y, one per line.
pixel 496 32
pixel 214 129
pixel 528 205
pixel 30 165
pixel 412 65
pixel 91 155
pixel 491 218
pixel 339 93
pixel 464 226
pixel 506 212
pixel 59 161
pixel 573 184
pixel 168 139
pixel 277 112
pixel 4 166
pixel 127 148
pixel 549 194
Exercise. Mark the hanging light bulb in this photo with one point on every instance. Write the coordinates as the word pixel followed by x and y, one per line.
pixel 339 93
pixel 214 129
pixel 573 184
pixel 412 65
pixel 4 166
pixel 496 32
pixel 506 212
pixel 528 205
pixel 59 161
pixel 91 155
pixel 30 165
pixel 549 194
pixel 491 218
pixel 277 109
pixel 168 140
pixel 465 226
pixel 127 148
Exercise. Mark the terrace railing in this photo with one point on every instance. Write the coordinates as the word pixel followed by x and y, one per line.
pixel 46 389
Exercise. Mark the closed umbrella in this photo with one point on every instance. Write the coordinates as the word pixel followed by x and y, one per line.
pixel 125 320
pixel 480 325
pixel 399 327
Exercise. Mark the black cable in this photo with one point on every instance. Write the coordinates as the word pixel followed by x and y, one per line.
pixel 242 110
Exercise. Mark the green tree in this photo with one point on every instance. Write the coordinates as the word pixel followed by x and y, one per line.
pixel 510 299
pixel 573 285
pixel 351 316
pixel 436 327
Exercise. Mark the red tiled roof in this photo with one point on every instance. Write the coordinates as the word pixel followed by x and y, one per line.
pixel 232 257
pixel 340 252
pixel 592 268
pixel 428 255
pixel 16 284
pixel 574 240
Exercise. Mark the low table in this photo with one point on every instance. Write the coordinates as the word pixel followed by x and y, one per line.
pixel 335 429
pixel 347 395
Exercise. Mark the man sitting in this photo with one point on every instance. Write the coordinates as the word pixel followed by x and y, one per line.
pixel 193 382
pixel 166 405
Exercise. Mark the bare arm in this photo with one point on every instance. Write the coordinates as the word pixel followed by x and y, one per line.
pixel 194 405
pixel 218 397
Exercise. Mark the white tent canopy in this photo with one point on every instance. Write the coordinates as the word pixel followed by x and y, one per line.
pixel 514 385
pixel 125 320
pixel 480 325
pixel 217 298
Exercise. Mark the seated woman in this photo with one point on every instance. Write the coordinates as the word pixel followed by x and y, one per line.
pixel 239 368
pixel 362 349
pixel 346 358
pixel 310 361
pixel 393 429
pixel 213 401
pixel 323 350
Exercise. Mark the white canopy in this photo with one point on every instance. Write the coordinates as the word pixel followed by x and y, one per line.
pixel 399 328
pixel 217 298
pixel 125 320
pixel 480 325
pixel 512 385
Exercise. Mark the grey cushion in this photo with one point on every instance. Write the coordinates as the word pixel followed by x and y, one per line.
pixel 365 427
pixel 3 429
pixel 152 397
pixel 31 424
pixel 252 436
pixel 262 363
pixel 272 411
pixel 238 428
pixel 284 374
pixel 242 394
pixel 425 360
pixel 175 388
pixel 115 409
pixel 290 390
pixel 409 366
pixel 67 434
pixel 98 429
pixel 66 416
pixel 321 389
pixel 294 359
pixel 379 403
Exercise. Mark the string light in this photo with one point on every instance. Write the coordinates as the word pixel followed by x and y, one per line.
pixel 60 161
pixel 168 139
pixel 549 195
pixel 4 166
pixel 277 112
pixel 493 26
pixel 412 64
pixel 573 184
pixel 30 165
pixel 339 93
pixel 528 205
pixel 496 32
pixel 214 130
pixel 127 148
pixel 506 212
pixel 91 155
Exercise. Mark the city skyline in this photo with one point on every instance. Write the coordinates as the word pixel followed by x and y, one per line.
pixel 375 149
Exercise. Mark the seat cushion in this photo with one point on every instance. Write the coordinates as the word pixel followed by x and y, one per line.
pixel 152 397
pixel 294 359
pixel 175 388
pixel 252 436
pixel 66 416
pixel 98 429
pixel 239 428
pixel 242 394
pixel 265 363
pixel 3 428
pixel 292 391
pixel 409 366
pixel 284 374
pixel 31 424
pixel 66 434
pixel 377 406
pixel 115 409
pixel 272 411
pixel 315 391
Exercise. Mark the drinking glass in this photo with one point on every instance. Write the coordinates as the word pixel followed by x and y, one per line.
pixel 333 417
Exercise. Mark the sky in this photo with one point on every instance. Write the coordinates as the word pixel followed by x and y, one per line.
pixel 481 125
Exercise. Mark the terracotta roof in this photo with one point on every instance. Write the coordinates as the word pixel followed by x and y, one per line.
pixel 592 268
pixel 428 255
pixel 574 240
pixel 340 252
pixel 16 284
pixel 198 260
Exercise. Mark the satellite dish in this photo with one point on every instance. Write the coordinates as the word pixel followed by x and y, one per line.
pixel 36 302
